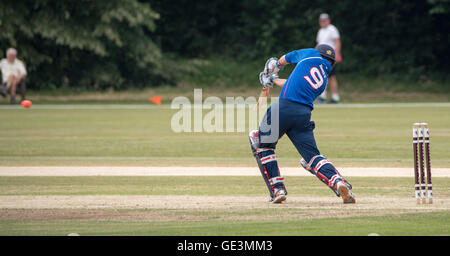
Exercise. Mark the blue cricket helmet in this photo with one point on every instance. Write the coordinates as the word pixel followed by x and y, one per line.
pixel 327 51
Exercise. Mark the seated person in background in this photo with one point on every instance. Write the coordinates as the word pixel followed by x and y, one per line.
pixel 13 73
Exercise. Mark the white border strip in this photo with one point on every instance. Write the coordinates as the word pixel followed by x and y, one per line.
pixel 201 171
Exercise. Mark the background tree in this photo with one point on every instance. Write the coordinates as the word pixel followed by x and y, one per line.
pixel 121 43
pixel 92 44
pixel 386 37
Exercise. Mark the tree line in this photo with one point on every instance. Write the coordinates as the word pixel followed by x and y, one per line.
pixel 122 43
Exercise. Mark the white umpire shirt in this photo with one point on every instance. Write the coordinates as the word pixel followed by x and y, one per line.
pixel 328 35
pixel 17 68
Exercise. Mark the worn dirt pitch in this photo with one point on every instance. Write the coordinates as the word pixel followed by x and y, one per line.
pixel 200 207
pixel 197 208
pixel 191 202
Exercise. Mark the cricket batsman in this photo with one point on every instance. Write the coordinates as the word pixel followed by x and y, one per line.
pixel 291 115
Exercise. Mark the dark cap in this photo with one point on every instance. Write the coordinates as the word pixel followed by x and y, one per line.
pixel 326 51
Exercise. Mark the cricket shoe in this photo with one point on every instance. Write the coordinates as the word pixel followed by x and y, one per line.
pixel 280 195
pixel 344 191
pixel 333 101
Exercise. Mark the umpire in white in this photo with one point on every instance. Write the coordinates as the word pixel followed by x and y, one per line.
pixel 329 34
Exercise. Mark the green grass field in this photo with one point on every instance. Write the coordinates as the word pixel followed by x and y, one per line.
pixel 390 225
pixel 349 136
pixel 212 205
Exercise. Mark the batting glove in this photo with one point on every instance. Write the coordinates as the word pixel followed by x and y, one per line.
pixel 272 66
pixel 266 80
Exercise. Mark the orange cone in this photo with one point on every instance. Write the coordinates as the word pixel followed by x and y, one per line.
pixel 156 100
